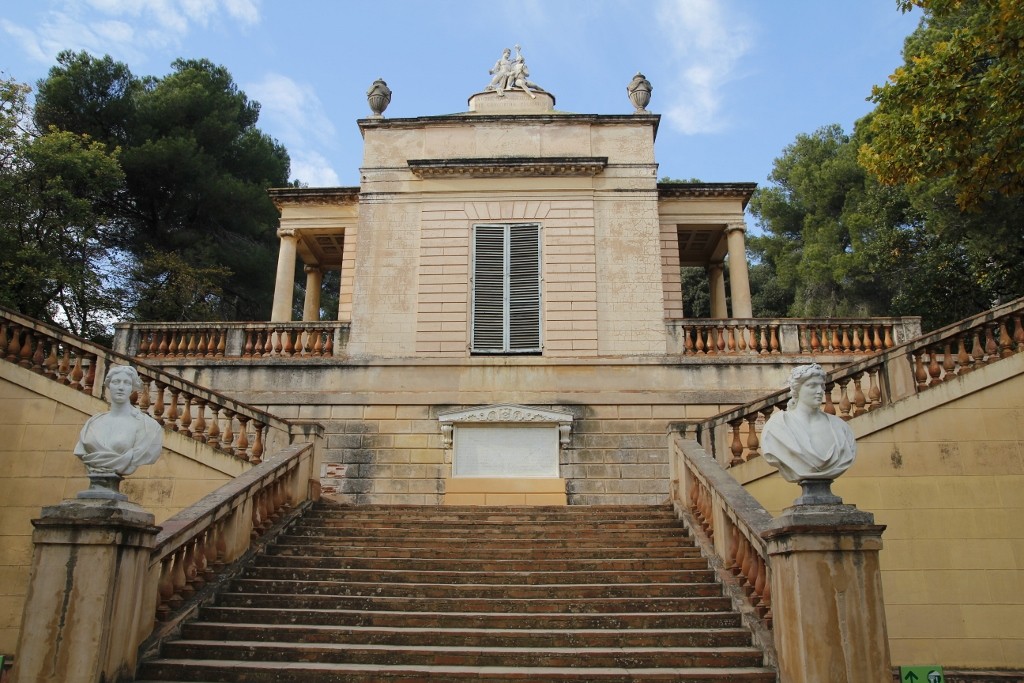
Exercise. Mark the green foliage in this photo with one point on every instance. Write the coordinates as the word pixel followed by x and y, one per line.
pixel 54 190
pixel 953 110
pixel 196 170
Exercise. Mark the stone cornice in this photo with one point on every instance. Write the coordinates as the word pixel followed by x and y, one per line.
pixel 473 119
pixel 282 196
pixel 702 190
pixel 508 167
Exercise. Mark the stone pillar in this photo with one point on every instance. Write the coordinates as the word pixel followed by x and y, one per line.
pixel 828 611
pixel 716 282
pixel 284 288
pixel 739 277
pixel 311 304
pixel 83 616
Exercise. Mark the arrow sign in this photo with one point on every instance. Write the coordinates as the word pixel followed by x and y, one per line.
pixel 911 676
pixel 921 674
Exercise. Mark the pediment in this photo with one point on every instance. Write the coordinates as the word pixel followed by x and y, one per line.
pixel 505 412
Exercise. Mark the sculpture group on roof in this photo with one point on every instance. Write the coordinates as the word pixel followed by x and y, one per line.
pixel 509 74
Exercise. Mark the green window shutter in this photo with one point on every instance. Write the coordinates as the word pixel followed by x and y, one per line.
pixel 506 289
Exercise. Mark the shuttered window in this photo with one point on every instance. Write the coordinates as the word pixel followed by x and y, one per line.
pixel 506 288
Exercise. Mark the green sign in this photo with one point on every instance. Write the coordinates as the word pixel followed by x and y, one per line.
pixel 921 674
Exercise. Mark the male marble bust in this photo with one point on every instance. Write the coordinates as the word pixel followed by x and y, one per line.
pixel 804 442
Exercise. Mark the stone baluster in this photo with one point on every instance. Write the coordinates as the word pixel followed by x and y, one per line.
pixel 165 588
pixel 158 403
pixel 977 350
pixel 721 338
pixel 859 400
pixel 90 374
pixel 3 338
pixel 844 338
pixel 329 344
pixel 210 551
pixel 700 340
pixel 199 561
pixel 1005 342
pixel 934 369
pixel 188 567
pixel 77 372
pixel 213 436
pixel 222 344
pixel 247 347
pixel 38 355
pixel 142 351
pixel 948 362
pixel 25 355
pixel 688 346
pixel 963 358
pixel 829 407
pixel 878 339
pixel 753 443
pixel 844 398
pixel 774 342
pixel 737 445
pixel 242 444
pixel 172 409
pixel 920 374
pixel 739 558
pixel 1018 332
pixel 178 580
pixel 874 391
pixel 730 339
pixel 51 364
pixel 228 437
pixel 199 433
pixel 288 348
pixel 257 446
pixel 144 396
pixel 185 422
pixel 14 346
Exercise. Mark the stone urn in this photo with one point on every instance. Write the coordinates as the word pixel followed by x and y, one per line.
pixel 639 90
pixel 378 97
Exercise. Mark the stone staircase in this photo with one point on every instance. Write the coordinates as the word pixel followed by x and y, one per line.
pixel 470 594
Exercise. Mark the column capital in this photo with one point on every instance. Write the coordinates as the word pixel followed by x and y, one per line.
pixel 733 227
pixel 311 268
pixel 287 232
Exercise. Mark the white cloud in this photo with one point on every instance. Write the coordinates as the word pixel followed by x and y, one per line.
pixel 313 169
pixel 706 48
pixel 126 29
pixel 293 113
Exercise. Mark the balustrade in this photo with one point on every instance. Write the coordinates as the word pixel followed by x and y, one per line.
pixel 230 340
pixel 179 406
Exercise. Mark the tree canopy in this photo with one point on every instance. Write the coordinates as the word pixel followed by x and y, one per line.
pixel 954 109
pixel 192 213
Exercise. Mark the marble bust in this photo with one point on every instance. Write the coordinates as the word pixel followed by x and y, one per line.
pixel 115 443
pixel 804 442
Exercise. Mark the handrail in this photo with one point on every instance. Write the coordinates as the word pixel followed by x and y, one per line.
pixel 230 426
pixel 232 340
pixel 867 384
pixel 788 336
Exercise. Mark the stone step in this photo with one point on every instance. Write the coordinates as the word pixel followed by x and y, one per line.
pixel 414 604
pixel 276 558
pixel 386 573
pixel 441 655
pixel 192 671
pixel 482 552
pixel 444 540
pixel 395 636
pixel 498 532
pixel 503 513
pixel 466 591
pixel 489 525
pixel 479 620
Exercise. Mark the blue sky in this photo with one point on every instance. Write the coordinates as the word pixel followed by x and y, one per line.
pixel 734 80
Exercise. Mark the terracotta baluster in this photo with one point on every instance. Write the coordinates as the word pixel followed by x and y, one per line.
pixel 740 554
pixel 25 356
pixel 189 569
pixel 1005 342
pixel 991 348
pixel 51 362
pixel 14 346
pixel 161 348
pixel 172 343
pixel 165 588
pixel 700 340
pixel 90 374
pixel 158 404
pixel 934 369
pixel 77 373
pixel 213 436
pixel 1018 333
pixel 721 338
pixel 178 579
pixel 844 398
pixel 888 341
pixel 287 348
pixel 199 562
pixel 64 367
pixel 3 338
pixel 920 375
pixel 143 395
pixel 844 339
pixel 278 345
pixel 222 543
pixel 259 350
pixel 227 440
pixel 977 350
pixel 878 340
pixel 753 443
pixel 172 412
pixel 761 588
pixel 257 446
pixel 329 344
pixel 247 348
pixel 858 396
pixel 199 433
pixel 835 344
pixel 210 552
pixel 39 355
pixel 730 334
pixel 143 349
pixel 963 358
pixel 829 406
pixel 874 391
pixel 774 343
pixel 257 517
pixel 803 339
pixel 222 344
pixel 186 415
pixel 766 600
pixel 687 342
pixel 730 558
pixel 242 444
pixel 948 363
pixel 737 444
pixel 747 569
pixel 318 347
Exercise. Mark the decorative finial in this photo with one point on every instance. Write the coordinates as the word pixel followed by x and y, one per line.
pixel 639 90
pixel 378 97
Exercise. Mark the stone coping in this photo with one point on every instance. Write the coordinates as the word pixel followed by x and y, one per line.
pixel 508 167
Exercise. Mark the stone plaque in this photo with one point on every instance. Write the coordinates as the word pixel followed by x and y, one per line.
pixel 505 450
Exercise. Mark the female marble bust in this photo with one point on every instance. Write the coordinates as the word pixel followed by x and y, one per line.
pixel 803 441
pixel 119 441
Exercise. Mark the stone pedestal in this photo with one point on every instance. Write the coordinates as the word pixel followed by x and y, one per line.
pixel 829 615
pixel 83 613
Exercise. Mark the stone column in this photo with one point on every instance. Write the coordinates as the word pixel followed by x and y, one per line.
pixel 828 611
pixel 739 277
pixel 83 615
pixel 716 282
pixel 311 304
pixel 284 288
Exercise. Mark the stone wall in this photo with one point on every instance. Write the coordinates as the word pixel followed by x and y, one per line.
pixel 39 425
pixel 944 471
